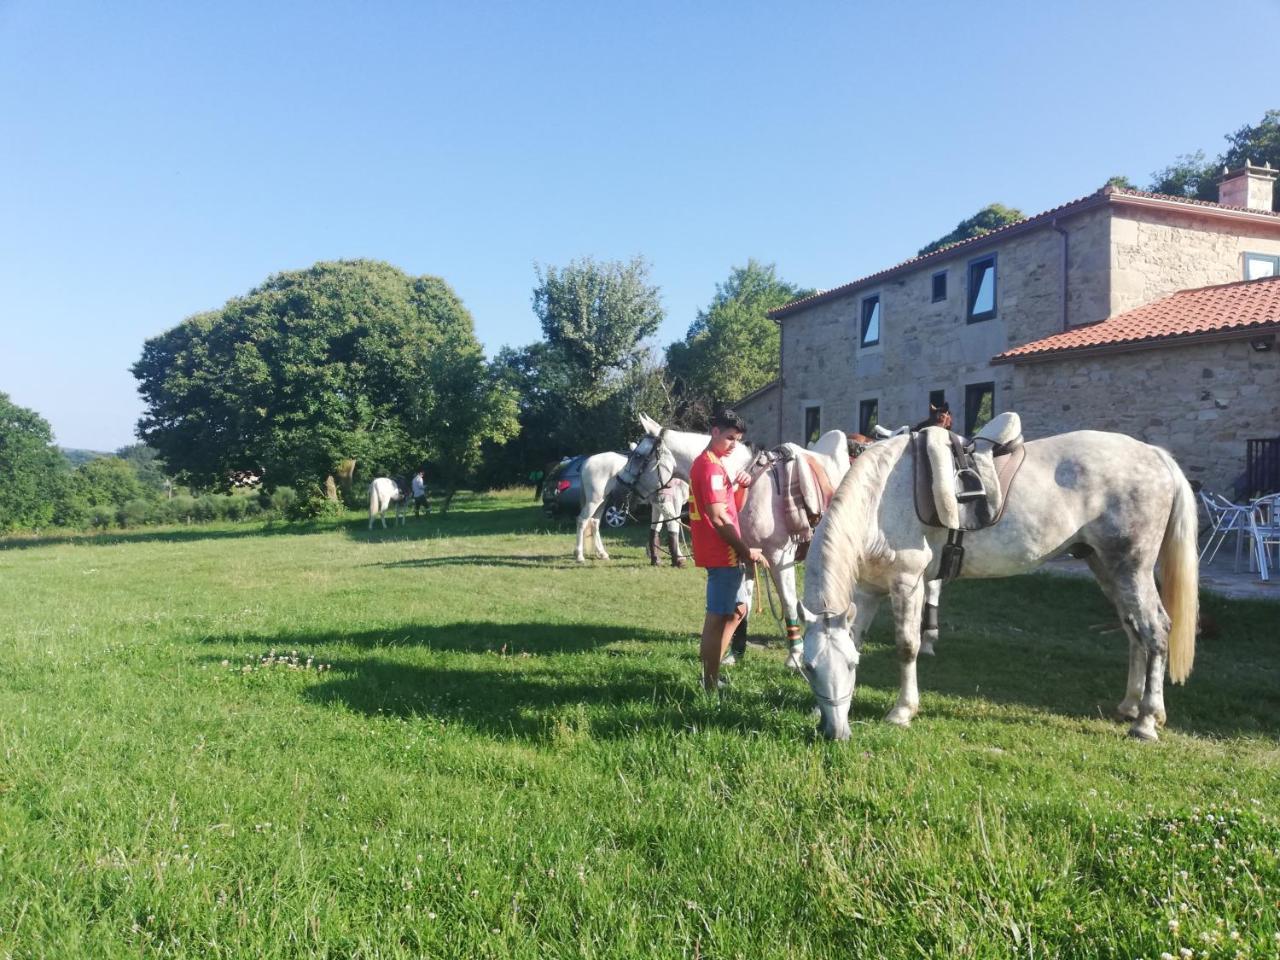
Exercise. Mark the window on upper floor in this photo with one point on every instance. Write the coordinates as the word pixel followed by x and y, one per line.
pixel 812 424
pixel 870 321
pixel 868 416
pixel 982 289
pixel 979 406
pixel 1259 265
pixel 939 286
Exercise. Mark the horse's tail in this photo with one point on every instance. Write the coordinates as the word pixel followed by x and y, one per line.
pixel 373 500
pixel 1180 574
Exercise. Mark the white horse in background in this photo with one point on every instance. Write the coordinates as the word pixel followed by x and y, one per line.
pixel 1121 504
pixel 384 492
pixel 600 481
pixel 761 519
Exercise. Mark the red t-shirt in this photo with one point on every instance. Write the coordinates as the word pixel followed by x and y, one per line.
pixel 709 483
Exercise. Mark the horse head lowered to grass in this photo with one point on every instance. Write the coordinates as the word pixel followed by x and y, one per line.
pixel 1123 505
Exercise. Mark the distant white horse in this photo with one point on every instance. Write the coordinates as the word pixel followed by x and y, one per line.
pixel 761 520
pixel 383 492
pixel 1123 505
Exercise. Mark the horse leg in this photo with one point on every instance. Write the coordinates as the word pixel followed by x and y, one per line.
pixel 1136 685
pixel 866 605
pixel 782 568
pixel 929 625
pixel 907 598
pixel 601 553
pixel 584 518
pixel 1146 622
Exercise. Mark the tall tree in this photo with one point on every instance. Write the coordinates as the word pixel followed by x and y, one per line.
pixel 33 473
pixel 991 217
pixel 597 315
pixel 344 360
pixel 731 348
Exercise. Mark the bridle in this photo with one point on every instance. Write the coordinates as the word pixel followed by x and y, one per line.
pixel 833 702
pixel 648 458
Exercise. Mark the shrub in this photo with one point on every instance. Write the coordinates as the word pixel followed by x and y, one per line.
pixel 282 501
pixel 206 509
pixel 181 508
pixel 136 512
pixel 233 508
pixel 101 518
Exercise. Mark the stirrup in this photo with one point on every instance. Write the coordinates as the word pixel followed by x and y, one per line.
pixel 968 485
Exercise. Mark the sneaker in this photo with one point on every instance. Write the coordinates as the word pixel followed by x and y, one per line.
pixel 730 659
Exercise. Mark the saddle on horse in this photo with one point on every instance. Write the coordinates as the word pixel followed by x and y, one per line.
pixel 800 484
pixel 963 485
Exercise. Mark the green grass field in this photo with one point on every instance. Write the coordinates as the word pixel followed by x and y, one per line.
pixel 510 757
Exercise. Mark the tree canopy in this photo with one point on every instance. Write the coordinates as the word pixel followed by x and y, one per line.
pixel 731 348
pixel 991 217
pixel 1191 175
pixel 597 316
pixel 344 360
pixel 33 473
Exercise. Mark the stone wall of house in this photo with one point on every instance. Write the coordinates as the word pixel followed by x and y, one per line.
pixel 926 346
pixel 1198 401
pixel 761 414
pixel 1156 252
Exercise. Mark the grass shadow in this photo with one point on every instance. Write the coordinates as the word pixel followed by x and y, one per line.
pixel 525 690
pixel 1076 665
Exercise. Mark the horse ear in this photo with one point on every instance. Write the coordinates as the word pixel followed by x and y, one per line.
pixel 651 426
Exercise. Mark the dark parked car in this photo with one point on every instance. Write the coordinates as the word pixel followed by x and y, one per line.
pixel 562 494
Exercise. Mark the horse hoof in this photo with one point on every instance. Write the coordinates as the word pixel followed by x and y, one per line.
pixel 926 650
pixel 1145 730
pixel 899 717
pixel 795 661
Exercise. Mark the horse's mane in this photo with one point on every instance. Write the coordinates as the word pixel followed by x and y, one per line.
pixel 847 536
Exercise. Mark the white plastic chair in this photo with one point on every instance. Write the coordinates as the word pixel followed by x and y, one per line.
pixel 1265 532
pixel 1225 518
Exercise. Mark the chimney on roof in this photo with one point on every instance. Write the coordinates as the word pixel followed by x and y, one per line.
pixel 1248 186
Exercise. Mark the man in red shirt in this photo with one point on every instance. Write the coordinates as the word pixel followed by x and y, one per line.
pixel 717 542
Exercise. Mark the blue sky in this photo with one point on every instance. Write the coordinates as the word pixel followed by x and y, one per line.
pixel 157 159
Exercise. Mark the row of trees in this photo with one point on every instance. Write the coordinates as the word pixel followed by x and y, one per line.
pixel 43 486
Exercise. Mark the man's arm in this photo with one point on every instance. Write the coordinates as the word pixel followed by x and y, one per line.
pixel 719 517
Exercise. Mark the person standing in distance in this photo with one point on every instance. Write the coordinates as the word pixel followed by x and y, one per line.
pixel 717 542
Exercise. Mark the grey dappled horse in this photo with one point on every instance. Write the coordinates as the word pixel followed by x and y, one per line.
pixel 1122 504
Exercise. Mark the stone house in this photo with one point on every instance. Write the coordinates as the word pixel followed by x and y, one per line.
pixel 1123 310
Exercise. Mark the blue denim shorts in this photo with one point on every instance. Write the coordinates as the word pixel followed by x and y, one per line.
pixel 726 588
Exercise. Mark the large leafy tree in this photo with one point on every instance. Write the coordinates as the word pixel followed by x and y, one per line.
pixel 596 315
pixel 1191 175
pixel 731 348
pixel 991 217
pixel 349 360
pixel 33 473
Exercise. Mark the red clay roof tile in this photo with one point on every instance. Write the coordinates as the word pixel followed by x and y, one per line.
pixel 1243 305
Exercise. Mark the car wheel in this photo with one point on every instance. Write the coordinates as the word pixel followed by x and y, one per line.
pixel 615 517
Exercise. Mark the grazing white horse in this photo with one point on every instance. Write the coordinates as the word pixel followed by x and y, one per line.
pixel 383 492
pixel 1120 503
pixel 761 519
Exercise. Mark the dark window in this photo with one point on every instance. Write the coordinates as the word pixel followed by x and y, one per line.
pixel 937 398
pixel 940 286
pixel 1259 265
pixel 979 406
pixel 812 424
pixel 982 289
pixel 870 321
pixel 868 416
